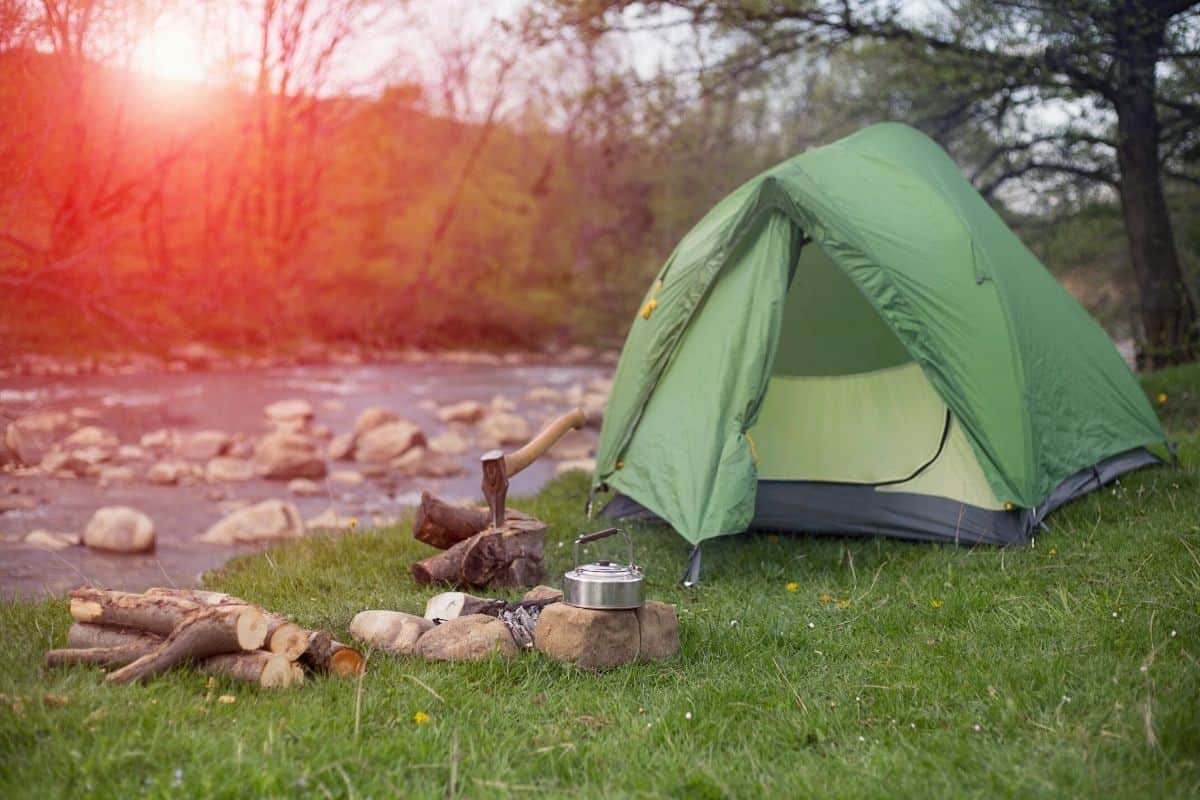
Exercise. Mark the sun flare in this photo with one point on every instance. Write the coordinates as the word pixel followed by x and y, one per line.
pixel 174 49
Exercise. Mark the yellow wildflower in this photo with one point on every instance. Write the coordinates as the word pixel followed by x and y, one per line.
pixel 843 603
pixel 353 522
pixel 825 598
pixel 420 718
pixel 792 586
pixel 936 603
pixel 1053 552
pixel 1162 398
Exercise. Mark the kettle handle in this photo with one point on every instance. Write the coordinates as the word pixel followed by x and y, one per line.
pixel 604 534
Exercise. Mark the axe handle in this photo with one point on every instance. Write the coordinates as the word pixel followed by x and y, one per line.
pixel 515 462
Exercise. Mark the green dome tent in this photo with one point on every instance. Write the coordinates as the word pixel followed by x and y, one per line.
pixel 855 342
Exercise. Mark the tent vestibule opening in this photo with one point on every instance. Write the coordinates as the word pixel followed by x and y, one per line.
pixel 846 403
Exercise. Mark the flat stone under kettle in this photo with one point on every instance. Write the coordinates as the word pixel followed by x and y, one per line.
pixel 604 585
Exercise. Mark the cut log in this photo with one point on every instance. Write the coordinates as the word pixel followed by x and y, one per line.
pixel 115 656
pixel 156 614
pixel 103 645
pixel 316 655
pixel 326 655
pixel 444 525
pixel 452 605
pixel 508 556
pixel 265 669
pixel 83 635
pixel 285 638
pixel 206 632
pixel 345 661
pixel 199 596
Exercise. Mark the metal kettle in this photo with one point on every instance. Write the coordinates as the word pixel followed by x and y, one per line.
pixel 604 585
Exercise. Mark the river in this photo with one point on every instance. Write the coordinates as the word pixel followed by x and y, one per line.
pixel 232 400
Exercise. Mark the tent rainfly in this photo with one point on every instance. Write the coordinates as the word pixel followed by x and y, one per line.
pixel 854 342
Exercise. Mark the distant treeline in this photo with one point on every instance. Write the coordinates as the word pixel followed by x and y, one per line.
pixel 141 213
pixel 138 212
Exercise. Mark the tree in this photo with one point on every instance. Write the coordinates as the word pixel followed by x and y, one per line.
pixel 75 173
pixel 1119 77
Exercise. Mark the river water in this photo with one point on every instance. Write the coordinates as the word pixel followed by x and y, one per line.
pixel 232 400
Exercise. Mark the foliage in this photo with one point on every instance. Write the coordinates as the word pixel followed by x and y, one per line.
pixel 810 665
pixel 1074 95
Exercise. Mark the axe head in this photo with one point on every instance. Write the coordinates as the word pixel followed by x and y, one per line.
pixel 495 484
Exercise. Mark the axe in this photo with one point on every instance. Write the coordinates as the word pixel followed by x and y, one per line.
pixel 498 467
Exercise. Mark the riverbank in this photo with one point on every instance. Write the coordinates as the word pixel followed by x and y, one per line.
pixel 202 428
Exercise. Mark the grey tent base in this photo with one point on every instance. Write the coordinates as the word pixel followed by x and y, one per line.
pixel 841 508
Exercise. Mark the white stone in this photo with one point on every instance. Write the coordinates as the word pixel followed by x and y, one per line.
pixel 372 418
pixel 386 442
pixel 111 475
pixel 51 541
pixel 419 462
pixel 202 445
pixel 468 411
pixel 289 411
pixel 270 519
pixel 92 456
pixel 283 456
pixel 161 439
pixel 448 443
pixel 304 487
pixel 119 529
pixel 229 470
pixel 91 436
pixel 544 395
pixel 593 405
pixel 500 428
pixel 44 422
pixel 130 452
pixel 165 473
pixel 347 477
pixel 341 447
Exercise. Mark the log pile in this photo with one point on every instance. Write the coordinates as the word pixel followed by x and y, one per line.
pixel 494 547
pixel 477 555
pixel 143 635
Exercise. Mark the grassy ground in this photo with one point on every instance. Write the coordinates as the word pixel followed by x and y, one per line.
pixel 1071 667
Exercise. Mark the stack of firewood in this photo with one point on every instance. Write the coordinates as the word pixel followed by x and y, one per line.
pixel 146 634
pixel 477 555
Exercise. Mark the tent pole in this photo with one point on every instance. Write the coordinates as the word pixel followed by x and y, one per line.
pixel 692 576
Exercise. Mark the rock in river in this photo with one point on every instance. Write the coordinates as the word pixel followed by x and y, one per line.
pixel 91 436
pixel 270 519
pixel 388 441
pixel 283 456
pixel 290 412
pixel 467 411
pixel 229 470
pixel 202 445
pixel 501 428
pixel 119 529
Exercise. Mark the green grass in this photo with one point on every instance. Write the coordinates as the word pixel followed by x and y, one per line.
pixel 1070 668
